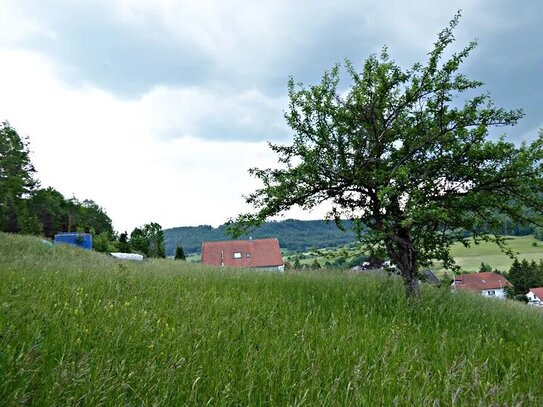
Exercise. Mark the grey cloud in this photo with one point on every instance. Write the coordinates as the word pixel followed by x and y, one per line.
pixel 509 60
pixel 89 46
pixel 302 39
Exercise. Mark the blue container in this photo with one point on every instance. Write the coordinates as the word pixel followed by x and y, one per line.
pixel 83 240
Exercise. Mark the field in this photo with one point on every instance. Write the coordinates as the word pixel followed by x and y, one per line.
pixel 81 328
pixel 470 258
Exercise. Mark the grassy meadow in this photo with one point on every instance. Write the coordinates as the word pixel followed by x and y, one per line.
pixel 82 328
pixel 527 247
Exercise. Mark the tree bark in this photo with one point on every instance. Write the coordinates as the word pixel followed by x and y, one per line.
pixel 403 253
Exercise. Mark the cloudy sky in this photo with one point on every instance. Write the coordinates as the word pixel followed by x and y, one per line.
pixel 155 109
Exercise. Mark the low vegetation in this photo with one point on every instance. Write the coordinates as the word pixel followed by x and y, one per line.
pixel 79 327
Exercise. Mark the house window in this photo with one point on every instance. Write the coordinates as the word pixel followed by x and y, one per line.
pixel 237 255
pixel 491 292
pixel 248 255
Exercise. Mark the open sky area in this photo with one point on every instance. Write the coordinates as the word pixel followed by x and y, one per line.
pixel 156 109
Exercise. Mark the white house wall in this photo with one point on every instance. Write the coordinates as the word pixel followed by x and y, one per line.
pixel 496 293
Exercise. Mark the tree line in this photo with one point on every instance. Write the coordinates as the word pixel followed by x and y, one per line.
pixel 294 235
pixel 27 208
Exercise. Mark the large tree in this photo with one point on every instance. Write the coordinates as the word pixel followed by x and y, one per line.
pixel 406 155
pixel 16 179
pixel 148 240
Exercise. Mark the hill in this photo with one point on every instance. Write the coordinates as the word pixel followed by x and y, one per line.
pixel 294 235
pixel 82 328
pixel 470 258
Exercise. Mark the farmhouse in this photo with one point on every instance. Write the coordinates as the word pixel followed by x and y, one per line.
pixel 488 284
pixel 535 296
pixel 258 253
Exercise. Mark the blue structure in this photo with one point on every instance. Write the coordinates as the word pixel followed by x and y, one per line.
pixel 83 240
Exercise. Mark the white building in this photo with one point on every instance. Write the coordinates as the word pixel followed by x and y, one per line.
pixel 535 296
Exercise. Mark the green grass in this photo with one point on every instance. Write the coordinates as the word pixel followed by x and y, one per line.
pixel 81 328
pixel 470 259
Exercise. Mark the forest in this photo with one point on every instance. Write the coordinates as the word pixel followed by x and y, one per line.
pixel 294 235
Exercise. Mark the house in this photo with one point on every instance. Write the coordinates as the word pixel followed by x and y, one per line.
pixel 488 284
pixel 253 253
pixel 535 296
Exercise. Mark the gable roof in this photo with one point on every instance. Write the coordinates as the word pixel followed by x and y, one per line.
pixel 243 253
pixel 481 281
pixel 538 292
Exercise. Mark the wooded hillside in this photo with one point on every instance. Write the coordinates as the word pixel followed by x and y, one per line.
pixel 296 235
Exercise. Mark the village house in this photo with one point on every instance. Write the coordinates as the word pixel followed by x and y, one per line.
pixel 263 254
pixel 488 284
pixel 535 296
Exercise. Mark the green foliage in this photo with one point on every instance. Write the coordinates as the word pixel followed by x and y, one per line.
pixel 179 253
pixel 525 275
pixel 79 327
pixel 538 233
pixel 485 268
pixel 155 236
pixel 91 217
pixel 16 179
pixel 297 265
pixel 357 260
pixel 26 209
pixel 101 243
pixel 293 235
pixel 148 240
pixel 123 245
pixel 404 156
pixel 138 242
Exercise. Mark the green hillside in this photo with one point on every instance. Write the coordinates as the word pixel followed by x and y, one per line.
pixel 526 247
pixel 82 328
pixel 294 235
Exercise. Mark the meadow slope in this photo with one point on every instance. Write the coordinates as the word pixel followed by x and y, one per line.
pixel 78 327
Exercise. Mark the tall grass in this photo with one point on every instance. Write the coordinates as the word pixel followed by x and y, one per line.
pixel 83 328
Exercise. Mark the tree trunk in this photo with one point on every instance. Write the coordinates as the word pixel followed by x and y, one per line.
pixel 403 253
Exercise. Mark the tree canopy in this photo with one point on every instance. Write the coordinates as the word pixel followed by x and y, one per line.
pixel 406 154
pixel 148 240
pixel 16 179
pixel 28 209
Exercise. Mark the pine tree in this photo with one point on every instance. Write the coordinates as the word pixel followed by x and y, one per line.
pixel 179 253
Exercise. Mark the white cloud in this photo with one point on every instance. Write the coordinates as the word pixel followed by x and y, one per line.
pixel 215 113
pixel 93 145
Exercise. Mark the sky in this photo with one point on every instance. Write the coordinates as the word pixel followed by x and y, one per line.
pixel 156 109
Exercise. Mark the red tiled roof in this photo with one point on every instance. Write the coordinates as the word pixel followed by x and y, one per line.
pixel 243 253
pixel 481 281
pixel 538 292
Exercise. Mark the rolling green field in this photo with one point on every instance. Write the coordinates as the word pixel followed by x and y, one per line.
pixel 82 328
pixel 470 258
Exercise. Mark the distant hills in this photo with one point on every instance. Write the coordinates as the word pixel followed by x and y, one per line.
pixel 295 235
